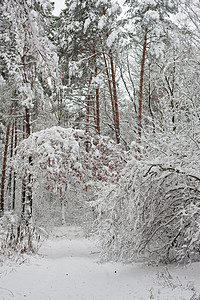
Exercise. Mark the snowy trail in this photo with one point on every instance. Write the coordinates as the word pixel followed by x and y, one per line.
pixel 68 268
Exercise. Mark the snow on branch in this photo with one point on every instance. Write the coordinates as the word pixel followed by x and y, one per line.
pixel 67 157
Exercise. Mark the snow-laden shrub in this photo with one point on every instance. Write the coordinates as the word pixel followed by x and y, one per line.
pixel 67 163
pixel 153 213
pixel 65 157
pixel 17 239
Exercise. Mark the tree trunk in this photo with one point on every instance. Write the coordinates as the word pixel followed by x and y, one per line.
pixel 28 125
pixel 23 216
pixel 3 178
pixel 141 85
pixel 63 212
pixel 97 112
pixel 14 177
pixel 29 188
pixel 115 100
pixel 11 171
pixel 27 199
pixel 62 202
pixel 88 106
pixel 110 91
pixel 113 90
pixel 24 129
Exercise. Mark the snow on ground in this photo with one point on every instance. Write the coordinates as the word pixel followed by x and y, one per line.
pixel 68 267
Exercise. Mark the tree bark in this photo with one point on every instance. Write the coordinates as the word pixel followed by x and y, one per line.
pixel 115 100
pixel 3 178
pixel 97 112
pixel 110 91
pixel 27 199
pixel 29 188
pixel 141 84
pixel 88 106
pixel 14 177
pixel 11 171
pixel 23 216
pixel 97 109
pixel 113 90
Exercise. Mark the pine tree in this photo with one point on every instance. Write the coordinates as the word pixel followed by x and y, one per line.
pixel 87 43
pixel 151 20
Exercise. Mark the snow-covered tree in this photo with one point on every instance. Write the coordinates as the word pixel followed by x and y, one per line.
pixel 29 62
pixel 154 213
pixel 90 61
pixel 149 30
pixel 68 159
pixel 27 55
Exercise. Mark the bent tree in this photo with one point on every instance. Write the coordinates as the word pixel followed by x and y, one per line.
pixel 61 162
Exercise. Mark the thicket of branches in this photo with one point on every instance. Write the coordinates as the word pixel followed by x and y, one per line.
pixel 154 211
pixel 67 160
pixel 133 77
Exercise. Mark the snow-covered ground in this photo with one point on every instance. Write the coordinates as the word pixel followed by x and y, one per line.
pixel 68 267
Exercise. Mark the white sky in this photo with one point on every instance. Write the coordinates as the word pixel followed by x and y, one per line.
pixel 60 4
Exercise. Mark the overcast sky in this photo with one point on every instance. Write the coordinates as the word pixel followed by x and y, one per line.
pixel 59 4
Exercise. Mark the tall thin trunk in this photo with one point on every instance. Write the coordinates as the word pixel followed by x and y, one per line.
pixel 28 125
pixel 88 112
pixel 23 199
pixel 29 188
pixel 150 106
pixel 14 177
pixel 171 88
pixel 97 112
pixel 115 99
pixel 27 206
pixel 23 212
pixel 3 178
pixel 11 171
pixel 63 212
pixel 60 194
pixel 24 129
pixel 110 91
pixel 88 106
pixel 141 84
pixel 29 193
pixel 113 90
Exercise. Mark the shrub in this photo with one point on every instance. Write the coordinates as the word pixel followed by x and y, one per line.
pixel 17 239
pixel 153 213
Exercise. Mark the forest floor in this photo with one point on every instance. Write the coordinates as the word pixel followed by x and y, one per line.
pixel 68 267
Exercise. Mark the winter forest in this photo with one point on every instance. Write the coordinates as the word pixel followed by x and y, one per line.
pixel 100 128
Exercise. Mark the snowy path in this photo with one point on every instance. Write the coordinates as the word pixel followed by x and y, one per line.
pixel 68 268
